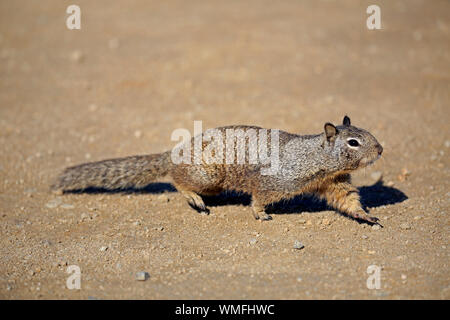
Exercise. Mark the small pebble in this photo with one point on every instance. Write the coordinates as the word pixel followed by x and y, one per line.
pixel 404 276
pixel 376 176
pixel 253 241
pixel 138 134
pixel 405 172
pixel 103 249
pixel 142 276
pixel 376 227
pixel 390 184
pixel 298 245
pixel 53 203
pixel 364 236
pixel 77 56
pixel 405 226
pixel 163 198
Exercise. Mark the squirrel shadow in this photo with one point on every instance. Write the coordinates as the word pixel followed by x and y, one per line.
pixel 376 195
pixel 152 188
pixel 372 196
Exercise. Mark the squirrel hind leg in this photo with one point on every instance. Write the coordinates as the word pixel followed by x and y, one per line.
pixel 195 201
pixel 262 198
pixel 258 208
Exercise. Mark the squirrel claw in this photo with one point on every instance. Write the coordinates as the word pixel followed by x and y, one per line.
pixel 262 216
pixel 367 218
pixel 265 217
pixel 373 220
pixel 202 209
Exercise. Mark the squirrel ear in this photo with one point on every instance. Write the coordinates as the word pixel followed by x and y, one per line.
pixel 330 130
pixel 346 121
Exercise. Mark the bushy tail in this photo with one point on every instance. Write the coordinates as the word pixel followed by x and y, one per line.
pixel 113 174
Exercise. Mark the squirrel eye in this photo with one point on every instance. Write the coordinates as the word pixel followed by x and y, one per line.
pixel 353 143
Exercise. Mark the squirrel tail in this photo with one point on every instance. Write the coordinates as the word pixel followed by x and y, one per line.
pixel 114 174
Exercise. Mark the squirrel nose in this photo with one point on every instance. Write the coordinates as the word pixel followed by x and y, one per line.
pixel 380 149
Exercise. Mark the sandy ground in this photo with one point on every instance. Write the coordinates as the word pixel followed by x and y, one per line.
pixel 137 70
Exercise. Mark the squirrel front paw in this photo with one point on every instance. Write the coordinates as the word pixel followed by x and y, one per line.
pixel 362 215
pixel 262 216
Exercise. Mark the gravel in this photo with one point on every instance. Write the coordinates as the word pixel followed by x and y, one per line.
pixel 298 245
pixel 142 276
pixel 54 203
pixel 405 226
pixel 163 198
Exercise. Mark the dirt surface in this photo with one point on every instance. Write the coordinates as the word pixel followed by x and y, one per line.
pixel 138 70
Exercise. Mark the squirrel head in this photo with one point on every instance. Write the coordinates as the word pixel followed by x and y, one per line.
pixel 353 147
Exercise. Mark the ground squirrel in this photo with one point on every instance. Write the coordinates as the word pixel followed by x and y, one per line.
pixel 316 164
